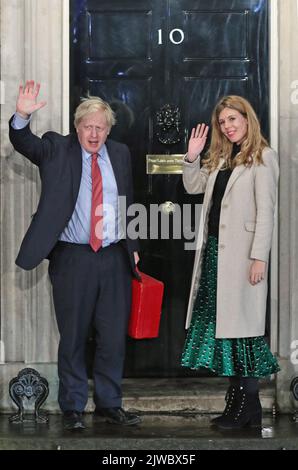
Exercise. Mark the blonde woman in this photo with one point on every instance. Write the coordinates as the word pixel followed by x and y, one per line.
pixel 227 306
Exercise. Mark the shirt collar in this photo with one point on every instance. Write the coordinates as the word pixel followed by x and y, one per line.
pixel 102 151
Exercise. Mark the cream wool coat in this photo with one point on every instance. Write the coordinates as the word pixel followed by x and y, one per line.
pixel 245 233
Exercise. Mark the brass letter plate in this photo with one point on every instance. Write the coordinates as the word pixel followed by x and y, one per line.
pixel 164 164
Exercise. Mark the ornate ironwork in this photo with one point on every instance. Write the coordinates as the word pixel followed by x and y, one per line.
pixel 294 390
pixel 28 385
pixel 168 124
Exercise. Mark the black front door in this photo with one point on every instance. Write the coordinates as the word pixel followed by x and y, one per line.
pixel 141 55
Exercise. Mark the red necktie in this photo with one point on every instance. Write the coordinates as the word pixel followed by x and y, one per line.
pixel 96 225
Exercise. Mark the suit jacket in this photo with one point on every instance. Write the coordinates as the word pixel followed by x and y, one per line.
pixel 245 233
pixel 59 159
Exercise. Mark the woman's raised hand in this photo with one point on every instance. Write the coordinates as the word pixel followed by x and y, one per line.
pixel 197 141
pixel 26 102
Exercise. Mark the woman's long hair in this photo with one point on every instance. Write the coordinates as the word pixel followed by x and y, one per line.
pixel 221 147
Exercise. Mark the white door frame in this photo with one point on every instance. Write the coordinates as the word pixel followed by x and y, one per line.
pixel 65 66
pixel 274 142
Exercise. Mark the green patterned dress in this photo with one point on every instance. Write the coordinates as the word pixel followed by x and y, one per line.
pixel 245 357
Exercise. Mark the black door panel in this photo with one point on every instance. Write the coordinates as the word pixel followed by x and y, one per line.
pixel 140 55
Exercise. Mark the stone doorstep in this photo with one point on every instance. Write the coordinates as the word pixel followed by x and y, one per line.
pixel 195 404
pixel 202 395
pixel 185 395
pixel 196 394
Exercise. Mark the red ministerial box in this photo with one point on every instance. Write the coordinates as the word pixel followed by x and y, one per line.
pixel 145 313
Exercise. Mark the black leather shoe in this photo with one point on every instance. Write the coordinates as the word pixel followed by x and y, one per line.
pixel 117 416
pixel 73 420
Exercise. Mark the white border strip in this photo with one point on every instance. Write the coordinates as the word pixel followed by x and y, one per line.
pixel 2 92
pixel 65 67
pixel 274 72
pixel 2 352
pixel 274 141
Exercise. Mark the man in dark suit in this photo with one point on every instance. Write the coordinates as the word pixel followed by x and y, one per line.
pixel 79 227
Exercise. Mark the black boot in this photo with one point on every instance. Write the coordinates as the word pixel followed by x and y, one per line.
pixel 231 401
pixel 248 412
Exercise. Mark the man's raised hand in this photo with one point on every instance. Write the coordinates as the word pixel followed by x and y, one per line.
pixel 26 102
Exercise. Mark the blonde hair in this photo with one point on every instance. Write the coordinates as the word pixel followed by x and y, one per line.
pixel 221 147
pixel 92 104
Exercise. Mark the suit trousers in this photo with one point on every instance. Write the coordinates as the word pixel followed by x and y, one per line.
pixel 90 289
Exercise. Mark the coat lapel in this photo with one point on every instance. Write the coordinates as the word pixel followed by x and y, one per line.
pixel 116 162
pixel 75 153
pixel 234 176
pixel 211 182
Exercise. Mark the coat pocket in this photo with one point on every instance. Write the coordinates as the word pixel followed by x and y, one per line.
pixel 250 226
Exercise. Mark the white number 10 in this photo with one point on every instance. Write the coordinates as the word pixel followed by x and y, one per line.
pixel 171 36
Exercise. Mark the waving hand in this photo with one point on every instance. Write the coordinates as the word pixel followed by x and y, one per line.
pixel 26 102
pixel 197 141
